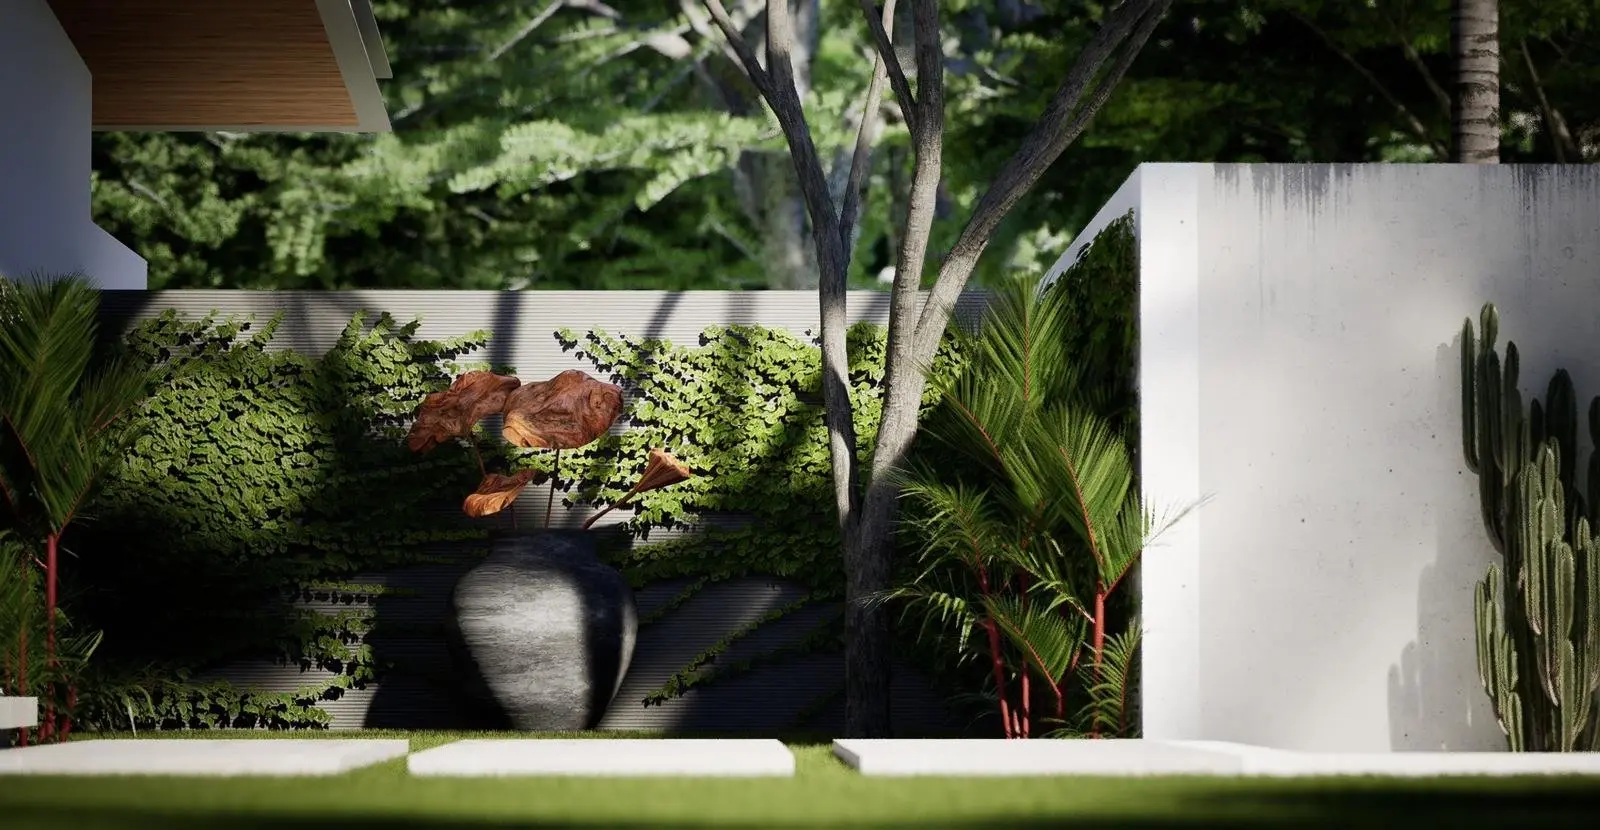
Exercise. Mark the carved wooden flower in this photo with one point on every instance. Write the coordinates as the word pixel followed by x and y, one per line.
pixel 662 470
pixel 496 492
pixel 452 413
pixel 563 413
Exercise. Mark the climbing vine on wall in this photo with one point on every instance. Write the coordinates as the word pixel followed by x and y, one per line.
pixel 268 478
pixel 264 478
pixel 743 407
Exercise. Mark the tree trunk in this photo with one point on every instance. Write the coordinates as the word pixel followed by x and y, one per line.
pixel 1475 105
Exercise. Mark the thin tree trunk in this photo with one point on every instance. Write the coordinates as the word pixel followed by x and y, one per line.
pixel 47 722
pixel 1475 110
pixel 866 519
pixel 22 656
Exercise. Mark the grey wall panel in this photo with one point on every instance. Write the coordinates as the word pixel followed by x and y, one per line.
pixel 418 692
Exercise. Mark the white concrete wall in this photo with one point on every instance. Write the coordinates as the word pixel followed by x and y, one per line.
pixel 1299 369
pixel 45 228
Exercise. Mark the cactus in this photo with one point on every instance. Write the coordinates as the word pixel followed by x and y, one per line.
pixel 1538 642
pixel 1538 617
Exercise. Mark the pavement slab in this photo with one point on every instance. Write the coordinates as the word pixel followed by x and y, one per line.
pixel 732 758
pixel 198 756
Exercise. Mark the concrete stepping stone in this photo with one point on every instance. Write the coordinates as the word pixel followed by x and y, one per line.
pixel 207 757
pixel 998 757
pixel 18 712
pixel 1259 760
pixel 1146 757
pixel 731 758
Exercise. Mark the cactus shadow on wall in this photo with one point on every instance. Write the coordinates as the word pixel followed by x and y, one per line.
pixel 1436 702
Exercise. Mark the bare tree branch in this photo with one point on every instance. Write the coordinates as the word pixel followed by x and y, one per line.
pixel 1415 59
pixel 1418 129
pixel 735 38
pixel 861 160
pixel 883 42
pixel 527 28
pixel 691 12
pixel 1561 140
pixel 1129 25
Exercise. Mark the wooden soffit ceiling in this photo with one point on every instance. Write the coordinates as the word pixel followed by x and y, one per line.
pixel 249 65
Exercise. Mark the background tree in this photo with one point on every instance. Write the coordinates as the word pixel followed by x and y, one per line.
pixel 1475 102
pixel 916 326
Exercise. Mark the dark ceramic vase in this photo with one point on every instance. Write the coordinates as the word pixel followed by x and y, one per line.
pixel 544 631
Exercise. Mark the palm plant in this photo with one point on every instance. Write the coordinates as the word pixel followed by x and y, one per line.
pixel 22 630
pixel 63 425
pixel 1024 502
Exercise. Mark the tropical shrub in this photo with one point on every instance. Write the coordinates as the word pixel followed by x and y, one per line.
pixel 1026 519
pixel 63 426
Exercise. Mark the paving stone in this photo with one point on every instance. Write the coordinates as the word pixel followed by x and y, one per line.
pixel 229 757
pixel 1142 757
pixel 733 758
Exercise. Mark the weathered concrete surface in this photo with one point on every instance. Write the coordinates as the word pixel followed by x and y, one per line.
pixel 1299 368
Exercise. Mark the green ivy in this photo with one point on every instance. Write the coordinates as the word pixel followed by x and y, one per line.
pixel 267 477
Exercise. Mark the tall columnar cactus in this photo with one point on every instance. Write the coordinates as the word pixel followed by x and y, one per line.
pixel 1538 619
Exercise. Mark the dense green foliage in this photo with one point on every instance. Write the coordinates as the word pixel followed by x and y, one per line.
pixel 263 475
pixel 65 422
pixel 266 476
pixel 1538 617
pixel 626 151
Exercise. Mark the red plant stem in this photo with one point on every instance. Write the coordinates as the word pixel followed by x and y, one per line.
pixel 1027 706
pixel 482 470
pixel 1099 644
pixel 995 658
pixel 22 663
pixel 51 561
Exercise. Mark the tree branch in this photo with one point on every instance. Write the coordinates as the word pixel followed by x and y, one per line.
pixel 1129 25
pixel 861 160
pixel 527 29
pixel 1415 59
pixel 1419 129
pixel 883 43
pixel 747 58
pixel 1561 140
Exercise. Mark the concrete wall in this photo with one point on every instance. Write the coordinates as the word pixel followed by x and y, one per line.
pixel 45 227
pixel 1300 336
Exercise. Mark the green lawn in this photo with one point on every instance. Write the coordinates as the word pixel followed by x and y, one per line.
pixel 824 793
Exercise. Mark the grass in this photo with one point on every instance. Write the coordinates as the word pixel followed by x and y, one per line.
pixel 824 793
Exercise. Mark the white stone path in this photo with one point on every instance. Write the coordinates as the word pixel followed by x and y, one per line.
pixel 200 756
pixel 1145 757
pixel 746 758
pixel 732 757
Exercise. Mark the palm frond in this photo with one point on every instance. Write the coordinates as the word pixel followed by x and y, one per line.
pixel 1113 685
pixel 1046 640
pixel 955 521
pixel 60 424
pixel 1079 471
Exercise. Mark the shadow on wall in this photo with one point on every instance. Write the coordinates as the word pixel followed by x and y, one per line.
pixel 1435 697
pixel 191 561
